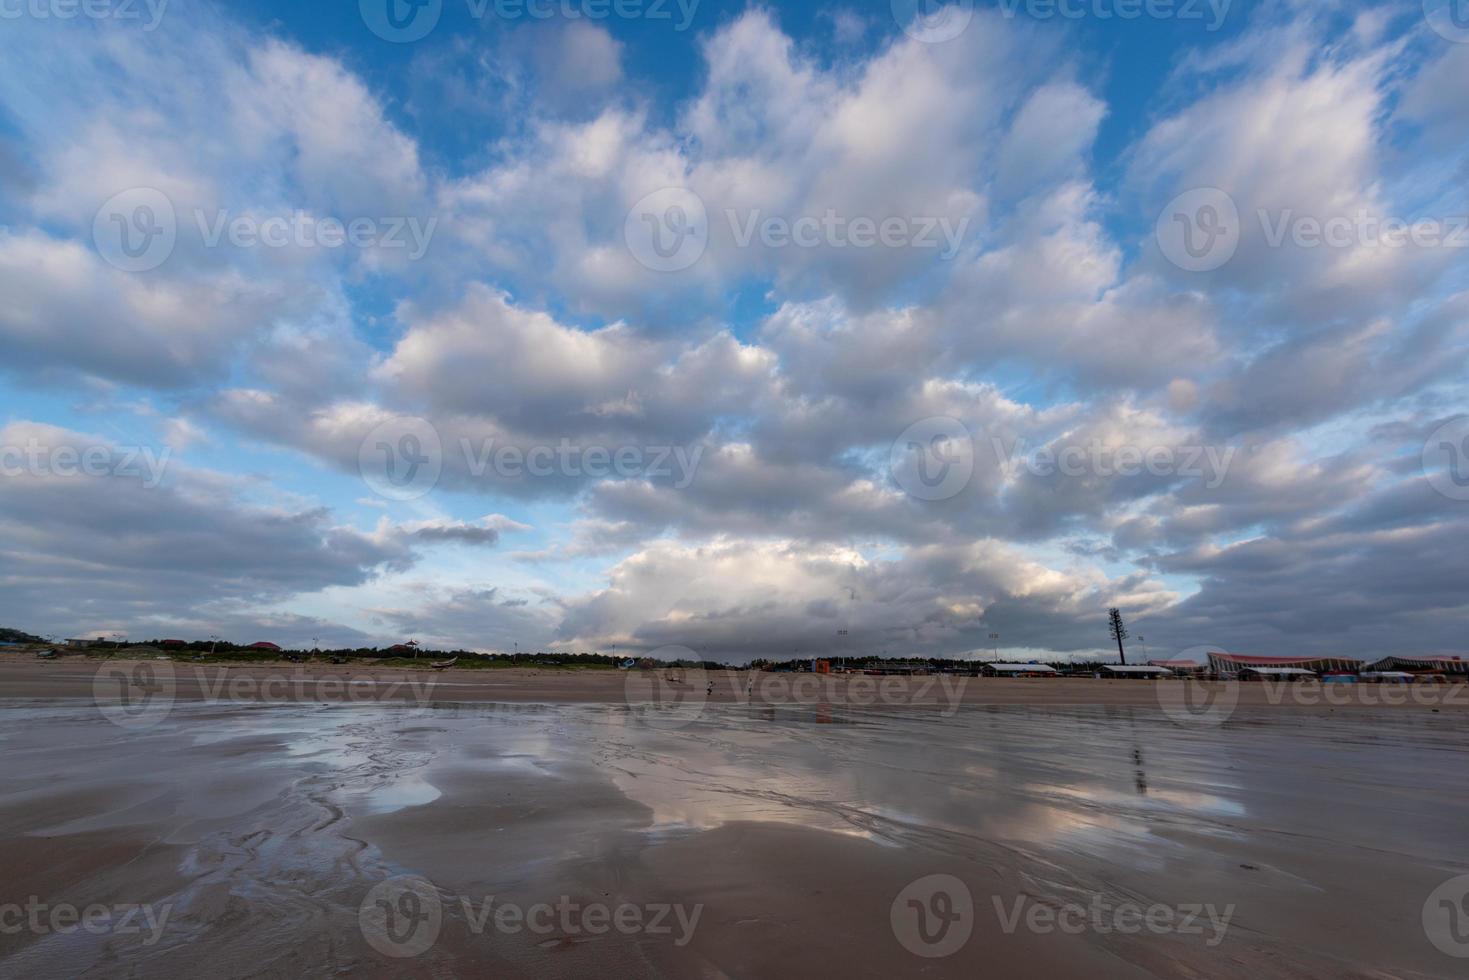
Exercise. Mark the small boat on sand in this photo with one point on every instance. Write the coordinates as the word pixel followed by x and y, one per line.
pixel 444 664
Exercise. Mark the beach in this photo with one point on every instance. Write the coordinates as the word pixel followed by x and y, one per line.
pixel 559 824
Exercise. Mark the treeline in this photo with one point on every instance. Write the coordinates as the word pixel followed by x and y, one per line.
pixel 467 657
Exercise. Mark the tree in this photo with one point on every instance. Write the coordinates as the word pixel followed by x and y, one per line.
pixel 1118 630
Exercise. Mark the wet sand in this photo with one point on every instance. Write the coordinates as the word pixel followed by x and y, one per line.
pixel 255 832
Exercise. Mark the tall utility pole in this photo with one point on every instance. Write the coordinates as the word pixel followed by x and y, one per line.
pixel 1118 631
pixel 995 642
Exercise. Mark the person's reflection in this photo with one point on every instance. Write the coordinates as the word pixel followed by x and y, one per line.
pixel 1139 776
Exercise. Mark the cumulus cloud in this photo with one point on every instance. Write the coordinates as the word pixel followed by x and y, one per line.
pixel 91 530
pixel 1274 409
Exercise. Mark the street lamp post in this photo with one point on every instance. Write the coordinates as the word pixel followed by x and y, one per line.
pixel 995 642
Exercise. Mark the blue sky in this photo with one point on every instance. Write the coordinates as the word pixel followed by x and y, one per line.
pixel 1166 312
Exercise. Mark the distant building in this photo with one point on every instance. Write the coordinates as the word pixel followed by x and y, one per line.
pixel 1135 671
pixel 1019 670
pixel 896 668
pixel 264 645
pixel 1179 666
pixel 1276 674
pixel 1433 664
pixel 80 642
pixel 1231 664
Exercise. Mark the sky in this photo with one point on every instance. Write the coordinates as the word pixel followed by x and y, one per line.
pixel 646 326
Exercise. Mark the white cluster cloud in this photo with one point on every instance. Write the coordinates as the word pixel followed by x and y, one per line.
pixel 1296 379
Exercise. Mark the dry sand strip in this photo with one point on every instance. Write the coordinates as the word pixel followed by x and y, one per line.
pixel 361 682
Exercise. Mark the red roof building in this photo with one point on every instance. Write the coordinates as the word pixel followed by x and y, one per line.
pixel 264 645
pixel 1429 663
pixel 1232 663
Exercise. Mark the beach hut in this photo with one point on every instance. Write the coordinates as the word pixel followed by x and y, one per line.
pixel 1276 674
pixel 1019 670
